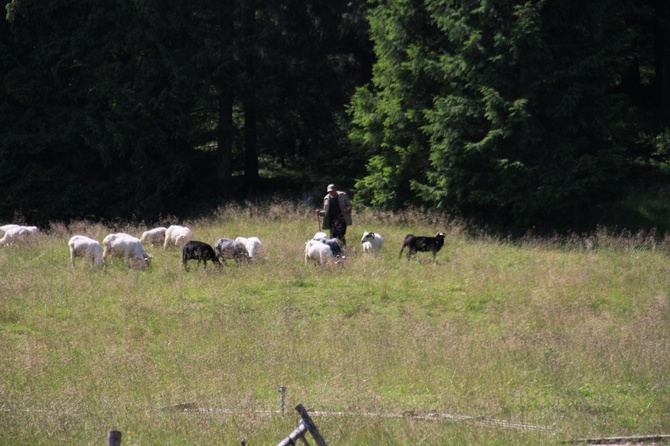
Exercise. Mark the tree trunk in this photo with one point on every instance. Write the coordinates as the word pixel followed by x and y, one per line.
pixel 250 145
pixel 662 59
pixel 225 135
pixel 225 125
pixel 249 100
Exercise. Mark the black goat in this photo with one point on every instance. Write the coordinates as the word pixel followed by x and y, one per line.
pixel 199 251
pixel 420 243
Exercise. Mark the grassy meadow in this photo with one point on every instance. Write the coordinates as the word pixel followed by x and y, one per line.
pixel 500 342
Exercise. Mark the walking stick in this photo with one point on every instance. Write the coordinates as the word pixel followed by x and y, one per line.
pixel 318 219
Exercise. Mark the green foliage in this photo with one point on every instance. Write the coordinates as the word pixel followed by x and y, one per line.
pixel 147 108
pixel 503 112
pixel 94 129
pixel 388 118
pixel 513 114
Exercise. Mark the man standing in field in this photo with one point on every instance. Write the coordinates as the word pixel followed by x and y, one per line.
pixel 336 213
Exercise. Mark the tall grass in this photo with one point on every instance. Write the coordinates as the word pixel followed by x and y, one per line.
pixel 541 332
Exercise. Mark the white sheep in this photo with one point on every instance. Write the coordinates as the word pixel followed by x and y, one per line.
pixel 18 233
pixel 89 249
pixel 252 244
pixel 319 252
pixel 319 235
pixel 155 236
pixel 177 236
pixel 372 242
pixel 128 247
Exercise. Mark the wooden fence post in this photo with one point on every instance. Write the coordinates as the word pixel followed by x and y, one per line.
pixel 282 392
pixel 297 434
pixel 310 425
pixel 306 425
pixel 114 438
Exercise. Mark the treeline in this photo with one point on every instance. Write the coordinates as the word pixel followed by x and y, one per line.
pixel 132 108
pixel 518 114
pixel 514 114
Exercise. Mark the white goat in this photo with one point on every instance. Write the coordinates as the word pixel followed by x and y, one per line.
pixel 89 249
pixel 128 247
pixel 372 242
pixel 6 228
pixel 18 233
pixel 319 252
pixel 155 236
pixel 252 244
pixel 177 236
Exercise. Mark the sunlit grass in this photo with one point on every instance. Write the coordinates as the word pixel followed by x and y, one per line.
pixel 541 332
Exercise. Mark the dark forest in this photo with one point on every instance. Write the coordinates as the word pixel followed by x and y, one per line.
pixel 540 115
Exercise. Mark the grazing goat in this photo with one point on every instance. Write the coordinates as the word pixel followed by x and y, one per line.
pixel 17 233
pixel 230 249
pixel 319 235
pixel 423 244
pixel 333 243
pixel 319 252
pixel 372 242
pixel 128 247
pixel 252 244
pixel 155 236
pixel 89 249
pixel 199 251
pixel 177 235
pixel 5 228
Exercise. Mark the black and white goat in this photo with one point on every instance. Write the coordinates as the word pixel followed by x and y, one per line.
pixel 334 244
pixel 372 242
pixel 227 248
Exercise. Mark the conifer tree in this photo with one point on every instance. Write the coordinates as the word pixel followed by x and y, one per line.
pixel 500 111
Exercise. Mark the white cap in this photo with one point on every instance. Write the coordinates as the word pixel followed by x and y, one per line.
pixel 331 187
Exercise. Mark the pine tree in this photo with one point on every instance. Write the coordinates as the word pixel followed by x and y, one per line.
pixel 509 102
